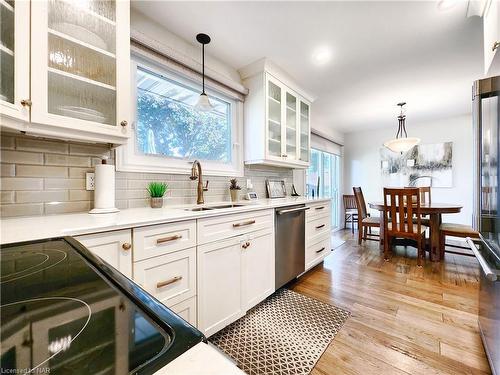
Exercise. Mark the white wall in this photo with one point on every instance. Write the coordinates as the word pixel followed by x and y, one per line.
pixel 362 161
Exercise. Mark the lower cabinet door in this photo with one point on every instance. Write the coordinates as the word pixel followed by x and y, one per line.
pixel 114 248
pixel 186 310
pixel 219 285
pixel 258 268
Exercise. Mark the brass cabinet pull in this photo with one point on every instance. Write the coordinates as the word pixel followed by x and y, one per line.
pixel 126 246
pixel 161 284
pixel 249 222
pixel 320 208
pixel 124 123
pixel 320 226
pixel 495 46
pixel 245 245
pixel 26 103
pixel 168 239
pixel 320 250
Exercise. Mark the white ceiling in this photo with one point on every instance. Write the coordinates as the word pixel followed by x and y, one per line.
pixel 381 52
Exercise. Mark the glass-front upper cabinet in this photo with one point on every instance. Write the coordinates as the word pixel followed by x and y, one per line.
pixel 14 59
pixel 291 126
pixel 305 131
pixel 81 61
pixel 274 118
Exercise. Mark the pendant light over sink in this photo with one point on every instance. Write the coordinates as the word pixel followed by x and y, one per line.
pixel 402 143
pixel 203 104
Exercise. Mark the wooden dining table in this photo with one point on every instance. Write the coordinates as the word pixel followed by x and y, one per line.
pixel 435 212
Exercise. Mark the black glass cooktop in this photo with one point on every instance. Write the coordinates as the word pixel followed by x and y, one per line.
pixel 64 311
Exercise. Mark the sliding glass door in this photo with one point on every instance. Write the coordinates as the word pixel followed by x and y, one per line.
pixel 322 179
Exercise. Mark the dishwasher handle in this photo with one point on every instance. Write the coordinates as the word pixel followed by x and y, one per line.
pixel 490 275
pixel 282 212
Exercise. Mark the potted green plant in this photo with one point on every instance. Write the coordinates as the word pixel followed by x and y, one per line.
pixel 234 189
pixel 156 191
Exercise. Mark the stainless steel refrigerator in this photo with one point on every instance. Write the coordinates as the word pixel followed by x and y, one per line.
pixel 486 115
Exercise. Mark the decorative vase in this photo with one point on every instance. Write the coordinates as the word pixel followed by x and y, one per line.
pixel 156 202
pixel 234 194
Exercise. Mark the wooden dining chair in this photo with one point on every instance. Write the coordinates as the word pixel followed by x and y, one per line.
pixel 455 230
pixel 402 219
pixel 350 210
pixel 365 221
pixel 425 198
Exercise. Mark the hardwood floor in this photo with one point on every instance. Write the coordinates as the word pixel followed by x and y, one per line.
pixel 405 319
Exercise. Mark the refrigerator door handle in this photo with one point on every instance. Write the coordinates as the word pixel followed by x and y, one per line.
pixel 490 275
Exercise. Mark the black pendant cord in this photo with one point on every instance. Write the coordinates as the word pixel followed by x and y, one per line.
pixel 203 67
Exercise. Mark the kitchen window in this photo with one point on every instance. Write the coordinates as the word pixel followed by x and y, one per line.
pixel 169 133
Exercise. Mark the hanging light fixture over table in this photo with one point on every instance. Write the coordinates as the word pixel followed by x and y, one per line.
pixel 402 143
pixel 203 104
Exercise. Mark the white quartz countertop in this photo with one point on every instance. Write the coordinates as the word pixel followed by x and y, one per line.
pixel 202 359
pixel 40 227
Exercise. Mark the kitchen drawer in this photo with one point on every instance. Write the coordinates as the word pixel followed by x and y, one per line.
pixel 317 227
pixel 317 251
pixel 186 310
pixel 317 210
pixel 221 227
pixel 156 240
pixel 170 278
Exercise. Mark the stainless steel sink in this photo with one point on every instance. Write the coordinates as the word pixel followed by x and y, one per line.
pixel 214 207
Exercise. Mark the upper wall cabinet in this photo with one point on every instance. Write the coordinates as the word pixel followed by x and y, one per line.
pixel 491 24
pixel 276 118
pixel 80 70
pixel 14 60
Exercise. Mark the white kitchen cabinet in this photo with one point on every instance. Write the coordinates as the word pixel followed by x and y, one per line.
pixel 318 233
pixel 186 310
pixel 258 268
pixel 491 28
pixel 220 301
pixel 113 247
pixel 79 65
pixel 14 60
pixel 233 276
pixel 276 118
pixel 170 278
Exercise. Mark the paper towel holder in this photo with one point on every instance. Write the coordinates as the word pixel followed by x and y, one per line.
pixel 104 195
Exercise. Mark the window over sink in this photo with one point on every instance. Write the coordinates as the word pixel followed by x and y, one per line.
pixel 169 133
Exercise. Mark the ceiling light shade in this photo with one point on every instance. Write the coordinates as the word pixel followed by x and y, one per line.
pixel 322 55
pixel 203 104
pixel 402 143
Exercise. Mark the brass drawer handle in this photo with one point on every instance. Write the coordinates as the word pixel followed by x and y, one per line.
pixel 126 246
pixel 495 46
pixel 245 245
pixel 320 208
pixel 320 250
pixel 26 103
pixel 168 239
pixel 249 222
pixel 124 123
pixel 320 226
pixel 161 284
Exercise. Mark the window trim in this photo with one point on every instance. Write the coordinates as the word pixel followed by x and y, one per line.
pixel 128 160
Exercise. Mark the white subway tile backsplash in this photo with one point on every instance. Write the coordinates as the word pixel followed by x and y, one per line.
pixel 40 171
pixel 48 177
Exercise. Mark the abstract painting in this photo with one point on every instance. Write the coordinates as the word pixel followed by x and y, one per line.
pixel 423 165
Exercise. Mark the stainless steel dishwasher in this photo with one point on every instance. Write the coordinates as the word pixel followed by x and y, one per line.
pixel 290 240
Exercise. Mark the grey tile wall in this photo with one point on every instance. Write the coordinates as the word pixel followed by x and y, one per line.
pixel 42 177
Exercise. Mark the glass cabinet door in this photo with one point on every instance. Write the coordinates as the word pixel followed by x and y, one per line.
pixel 14 58
pixel 304 131
pixel 82 63
pixel 7 50
pixel 291 126
pixel 274 118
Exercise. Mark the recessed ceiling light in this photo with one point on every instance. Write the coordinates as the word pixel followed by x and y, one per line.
pixel 446 4
pixel 322 55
